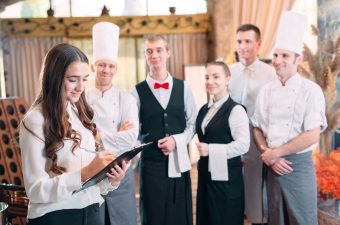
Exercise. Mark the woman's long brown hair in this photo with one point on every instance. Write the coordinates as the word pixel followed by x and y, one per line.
pixel 52 99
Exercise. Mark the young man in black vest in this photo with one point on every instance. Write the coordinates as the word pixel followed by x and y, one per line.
pixel 167 115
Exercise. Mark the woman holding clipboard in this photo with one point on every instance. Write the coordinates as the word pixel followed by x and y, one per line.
pixel 57 141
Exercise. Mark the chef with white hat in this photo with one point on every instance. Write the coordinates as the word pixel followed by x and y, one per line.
pixel 289 116
pixel 116 118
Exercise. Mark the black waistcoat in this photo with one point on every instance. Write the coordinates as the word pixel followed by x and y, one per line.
pixel 217 130
pixel 157 122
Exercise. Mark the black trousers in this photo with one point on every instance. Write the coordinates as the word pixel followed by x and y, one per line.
pixel 86 216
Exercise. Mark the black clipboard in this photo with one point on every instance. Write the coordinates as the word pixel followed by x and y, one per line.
pixel 101 175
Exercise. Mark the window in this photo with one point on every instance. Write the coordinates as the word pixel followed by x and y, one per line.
pixel 90 8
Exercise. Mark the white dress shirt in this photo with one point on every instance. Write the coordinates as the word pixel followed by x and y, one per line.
pixel 283 112
pixel 111 108
pixel 244 86
pixel 246 82
pixel 220 153
pixel 179 159
pixel 47 191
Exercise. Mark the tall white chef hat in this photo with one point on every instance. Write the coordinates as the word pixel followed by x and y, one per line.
pixel 292 27
pixel 105 39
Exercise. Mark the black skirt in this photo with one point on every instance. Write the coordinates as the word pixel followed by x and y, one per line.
pixel 86 216
pixel 220 202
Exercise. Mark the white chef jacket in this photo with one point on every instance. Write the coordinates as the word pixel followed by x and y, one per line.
pixel 111 108
pixel 283 112
pixel 219 153
pixel 244 87
pixel 179 159
pixel 47 191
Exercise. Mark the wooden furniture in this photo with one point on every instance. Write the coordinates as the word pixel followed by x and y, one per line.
pixel 15 197
pixel 12 191
pixel 328 212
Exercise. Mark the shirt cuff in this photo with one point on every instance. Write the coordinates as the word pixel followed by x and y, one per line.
pixel 218 162
pixel 105 186
pixel 315 120
pixel 253 122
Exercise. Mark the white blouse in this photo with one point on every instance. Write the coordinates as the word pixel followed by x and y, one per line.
pixel 219 153
pixel 283 112
pixel 47 191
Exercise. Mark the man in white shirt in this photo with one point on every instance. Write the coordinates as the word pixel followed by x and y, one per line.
pixel 167 115
pixel 116 117
pixel 289 116
pixel 247 78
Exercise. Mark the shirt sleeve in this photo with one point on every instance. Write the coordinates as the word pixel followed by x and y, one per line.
pixel 134 93
pixel 190 114
pixel 219 153
pixel 315 110
pixel 124 140
pixel 255 118
pixel 41 187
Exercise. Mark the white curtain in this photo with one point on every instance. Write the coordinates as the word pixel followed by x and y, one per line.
pixel 186 49
pixel 263 13
pixel 131 62
pixel 23 58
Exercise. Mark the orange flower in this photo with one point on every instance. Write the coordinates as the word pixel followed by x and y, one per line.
pixel 328 172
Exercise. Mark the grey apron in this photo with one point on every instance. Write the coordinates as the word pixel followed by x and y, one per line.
pixel 120 204
pixel 293 197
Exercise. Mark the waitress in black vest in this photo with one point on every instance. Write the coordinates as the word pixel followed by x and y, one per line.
pixel 222 127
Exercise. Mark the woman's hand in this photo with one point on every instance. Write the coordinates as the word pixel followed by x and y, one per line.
pixel 118 173
pixel 101 160
pixel 203 148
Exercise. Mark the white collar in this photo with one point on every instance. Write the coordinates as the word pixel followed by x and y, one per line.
pixel 218 103
pixel 152 81
pixel 251 67
pixel 108 92
pixel 293 82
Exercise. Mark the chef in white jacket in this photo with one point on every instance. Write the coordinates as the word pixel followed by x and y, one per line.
pixel 116 118
pixel 289 116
